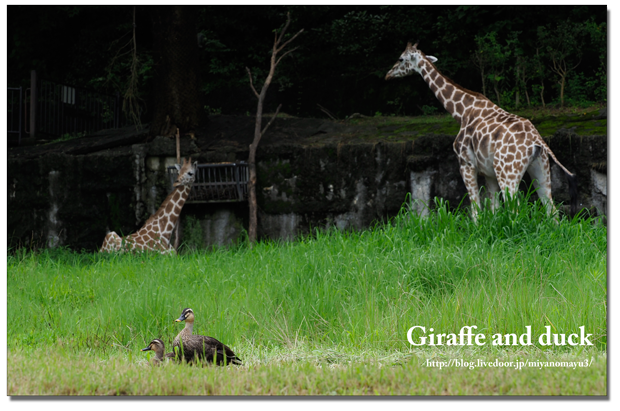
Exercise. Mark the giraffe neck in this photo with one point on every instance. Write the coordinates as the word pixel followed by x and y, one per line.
pixel 163 221
pixel 456 100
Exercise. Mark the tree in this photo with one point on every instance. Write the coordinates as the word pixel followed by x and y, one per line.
pixel 176 97
pixel 126 57
pixel 598 39
pixel 539 74
pixel 518 68
pixel 525 71
pixel 278 46
pixel 493 55
pixel 564 47
pixel 481 60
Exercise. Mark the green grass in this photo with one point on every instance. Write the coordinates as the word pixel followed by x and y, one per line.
pixel 342 299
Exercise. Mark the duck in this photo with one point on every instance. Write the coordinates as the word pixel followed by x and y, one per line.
pixel 158 346
pixel 191 347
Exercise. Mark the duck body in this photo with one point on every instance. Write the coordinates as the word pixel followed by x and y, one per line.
pixel 192 348
pixel 206 349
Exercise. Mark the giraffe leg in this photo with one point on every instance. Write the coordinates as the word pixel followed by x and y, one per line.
pixel 470 178
pixel 509 175
pixel 170 250
pixel 493 190
pixel 165 247
pixel 540 173
pixel 467 167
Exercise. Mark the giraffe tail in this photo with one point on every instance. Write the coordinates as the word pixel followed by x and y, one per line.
pixel 571 178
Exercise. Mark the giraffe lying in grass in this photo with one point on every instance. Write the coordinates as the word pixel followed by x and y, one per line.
pixel 155 233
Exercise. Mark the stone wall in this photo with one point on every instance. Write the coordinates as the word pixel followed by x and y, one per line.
pixel 73 200
pixel 70 200
pixel 351 186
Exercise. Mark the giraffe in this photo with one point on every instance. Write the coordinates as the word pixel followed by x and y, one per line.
pixel 155 233
pixel 492 142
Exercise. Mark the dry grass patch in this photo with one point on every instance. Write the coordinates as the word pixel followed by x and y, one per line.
pixel 56 373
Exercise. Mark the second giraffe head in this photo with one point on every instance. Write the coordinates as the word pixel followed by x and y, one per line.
pixel 187 173
pixel 412 60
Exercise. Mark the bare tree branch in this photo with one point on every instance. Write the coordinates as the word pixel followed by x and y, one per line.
pixel 283 55
pixel 289 40
pixel 258 133
pixel 271 121
pixel 326 111
pixel 279 38
pixel 251 83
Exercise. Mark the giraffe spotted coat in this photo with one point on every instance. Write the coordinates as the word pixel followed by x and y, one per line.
pixel 155 233
pixel 492 142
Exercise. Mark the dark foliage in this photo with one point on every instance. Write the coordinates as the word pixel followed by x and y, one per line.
pixel 342 58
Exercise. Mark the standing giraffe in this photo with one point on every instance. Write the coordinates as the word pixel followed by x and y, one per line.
pixel 155 233
pixel 492 142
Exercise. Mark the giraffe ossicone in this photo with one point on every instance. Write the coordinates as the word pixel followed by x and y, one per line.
pixel 491 142
pixel 155 233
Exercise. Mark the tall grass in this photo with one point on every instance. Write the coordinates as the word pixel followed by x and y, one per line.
pixel 351 290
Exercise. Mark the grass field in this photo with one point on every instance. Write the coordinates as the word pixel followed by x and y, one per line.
pixel 325 315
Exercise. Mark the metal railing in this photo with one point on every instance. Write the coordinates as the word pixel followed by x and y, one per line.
pixel 217 182
pixel 14 113
pixel 63 109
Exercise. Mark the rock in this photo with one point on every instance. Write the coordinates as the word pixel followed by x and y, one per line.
pixel 602 113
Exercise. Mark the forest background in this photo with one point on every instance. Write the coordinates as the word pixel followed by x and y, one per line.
pixel 516 55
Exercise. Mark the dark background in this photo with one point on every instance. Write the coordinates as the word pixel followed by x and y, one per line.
pixel 341 60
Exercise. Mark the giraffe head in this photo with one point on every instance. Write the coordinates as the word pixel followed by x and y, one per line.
pixel 187 173
pixel 409 62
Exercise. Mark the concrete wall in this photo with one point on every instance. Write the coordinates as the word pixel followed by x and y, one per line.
pixel 74 200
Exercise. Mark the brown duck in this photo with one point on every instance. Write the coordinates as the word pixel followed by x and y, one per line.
pixel 199 347
pixel 157 345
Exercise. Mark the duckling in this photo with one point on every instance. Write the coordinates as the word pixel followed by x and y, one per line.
pixel 200 346
pixel 157 345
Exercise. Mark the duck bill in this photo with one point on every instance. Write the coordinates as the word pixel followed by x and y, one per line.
pixel 146 349
pixel 180 319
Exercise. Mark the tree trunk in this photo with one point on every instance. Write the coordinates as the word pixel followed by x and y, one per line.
pixel 517 99
pixel 258 130
pixel 178 224
pixel 524 82
pixel 527 97
pixel 252 228
pixel 517 82
pixel 176 85
pixel 499 99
